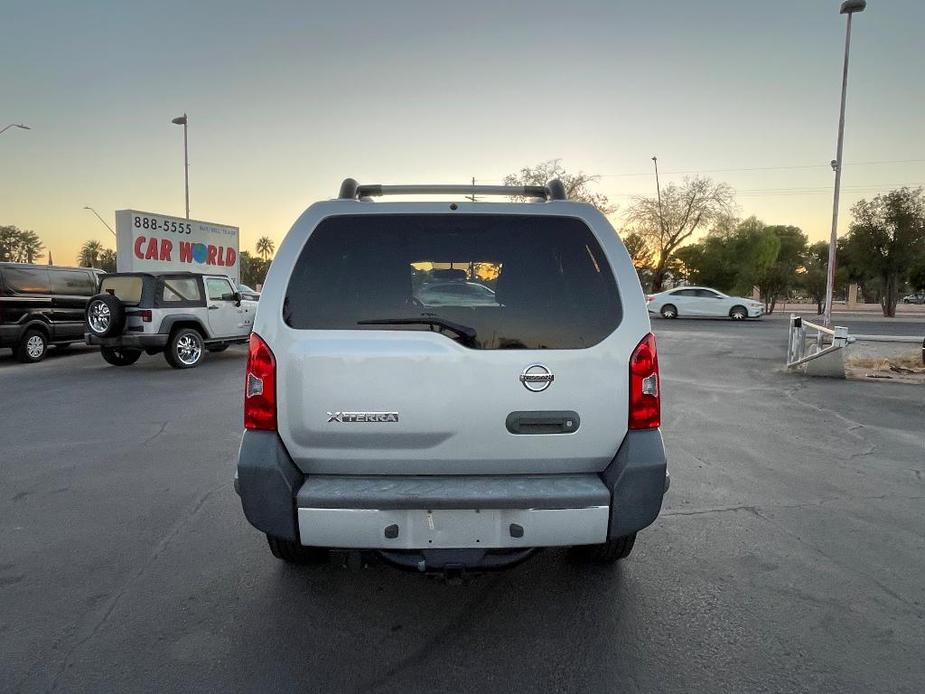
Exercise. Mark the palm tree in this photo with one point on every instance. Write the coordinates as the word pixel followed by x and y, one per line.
pixel 89 255
pixel 108 260
pixel 265 247
pixel 28 246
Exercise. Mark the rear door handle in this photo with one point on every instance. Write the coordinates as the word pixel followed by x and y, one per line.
pixel 543 422
pixel 213 307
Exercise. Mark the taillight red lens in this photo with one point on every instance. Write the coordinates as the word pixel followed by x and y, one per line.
pixel 645 396
pixel 649 298
pixel 145 315
pixel 260 386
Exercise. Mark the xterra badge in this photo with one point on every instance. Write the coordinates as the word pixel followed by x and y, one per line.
pixel 351 417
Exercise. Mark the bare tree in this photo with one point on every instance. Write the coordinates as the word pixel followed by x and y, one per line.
pixel 696 204
pixel 578 186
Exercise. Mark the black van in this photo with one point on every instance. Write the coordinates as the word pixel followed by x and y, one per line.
pixel 42 305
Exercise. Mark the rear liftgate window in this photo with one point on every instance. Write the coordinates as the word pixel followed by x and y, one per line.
pixel 487 281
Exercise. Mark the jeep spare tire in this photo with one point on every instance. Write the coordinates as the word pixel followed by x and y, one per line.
pixel 105 315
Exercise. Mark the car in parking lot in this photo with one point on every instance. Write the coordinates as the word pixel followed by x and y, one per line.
pixel 456 294
pixel 702 302
pixel 248 293
pixel 179 314
pixel 463 435
pixel 42 305
pixel 914 299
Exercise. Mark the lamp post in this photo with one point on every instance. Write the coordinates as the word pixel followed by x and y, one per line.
pixel 182 120
pixel 849 7
pixel 658 190
pixel 86 207
pixel 15 125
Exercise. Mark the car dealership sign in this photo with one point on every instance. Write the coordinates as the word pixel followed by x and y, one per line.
pixel 147 241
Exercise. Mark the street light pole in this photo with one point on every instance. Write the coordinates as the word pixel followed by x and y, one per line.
pixel 86 207
pixel 15 125
pixel 658 190
pixel 849 7
pixel 182 120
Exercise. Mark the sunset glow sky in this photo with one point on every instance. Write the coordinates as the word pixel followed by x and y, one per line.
pixel 285 99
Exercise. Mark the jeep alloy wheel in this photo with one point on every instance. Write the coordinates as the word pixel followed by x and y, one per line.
pixel 99 317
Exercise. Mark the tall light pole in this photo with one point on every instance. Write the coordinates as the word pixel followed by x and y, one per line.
pixel 181 120
pixel 15 125
pixel 86 207
pixel 658 189
pixel 849 7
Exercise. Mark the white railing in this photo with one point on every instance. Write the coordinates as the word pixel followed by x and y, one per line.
pixel 799 351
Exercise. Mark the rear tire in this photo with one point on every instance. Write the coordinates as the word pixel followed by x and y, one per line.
pixel 32 347
pixel 120 357
pixel 738 313
pixel 292 552
pixel 607 553
pixel 185 349
pixel 669 311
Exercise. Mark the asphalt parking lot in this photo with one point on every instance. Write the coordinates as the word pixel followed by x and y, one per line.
pixel 790 554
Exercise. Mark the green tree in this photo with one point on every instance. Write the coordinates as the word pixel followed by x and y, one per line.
pixel 917 276
pixel 253 270
pixel 887 239
pixel 730 258
pixel 108 260
pixel 578 186
pixel 641 256
pixel 780 276
pixel 89 255
pixel 265 248
pixel 19 245
pixel 684 210
pixel 813 276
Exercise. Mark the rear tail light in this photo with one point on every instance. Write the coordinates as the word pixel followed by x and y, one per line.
pixel 645 398
pixel 144 314
pixel 260 386
pixel 649 298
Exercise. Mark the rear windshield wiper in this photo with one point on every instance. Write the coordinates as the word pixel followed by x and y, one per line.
pixel 467 335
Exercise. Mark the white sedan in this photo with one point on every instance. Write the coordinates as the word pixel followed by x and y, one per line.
pixel 703 301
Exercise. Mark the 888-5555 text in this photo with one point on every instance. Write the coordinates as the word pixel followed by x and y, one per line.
pixel 162 225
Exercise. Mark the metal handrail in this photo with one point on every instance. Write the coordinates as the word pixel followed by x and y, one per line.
pixel 819 328
pixel 796 340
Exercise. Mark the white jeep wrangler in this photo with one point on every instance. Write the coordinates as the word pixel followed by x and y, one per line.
pixel 182 314
pixel 452 385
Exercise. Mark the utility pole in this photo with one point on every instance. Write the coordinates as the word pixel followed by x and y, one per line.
pixel 658 190
pixel 472 197
pixel 849 7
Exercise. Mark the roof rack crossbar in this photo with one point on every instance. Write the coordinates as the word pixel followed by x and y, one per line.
pixel 351 190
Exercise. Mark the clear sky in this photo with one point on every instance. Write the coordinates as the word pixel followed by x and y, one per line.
pixel 285 99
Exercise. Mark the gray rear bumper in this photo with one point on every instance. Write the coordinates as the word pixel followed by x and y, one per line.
pixel 132 340
pixel 277 497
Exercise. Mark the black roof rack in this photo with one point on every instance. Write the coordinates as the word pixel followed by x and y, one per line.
pixel 351 190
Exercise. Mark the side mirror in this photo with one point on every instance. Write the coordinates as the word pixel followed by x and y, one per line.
pixel 237 298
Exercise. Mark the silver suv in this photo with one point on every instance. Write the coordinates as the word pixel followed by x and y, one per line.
pixel 451 436
pixel 182 314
